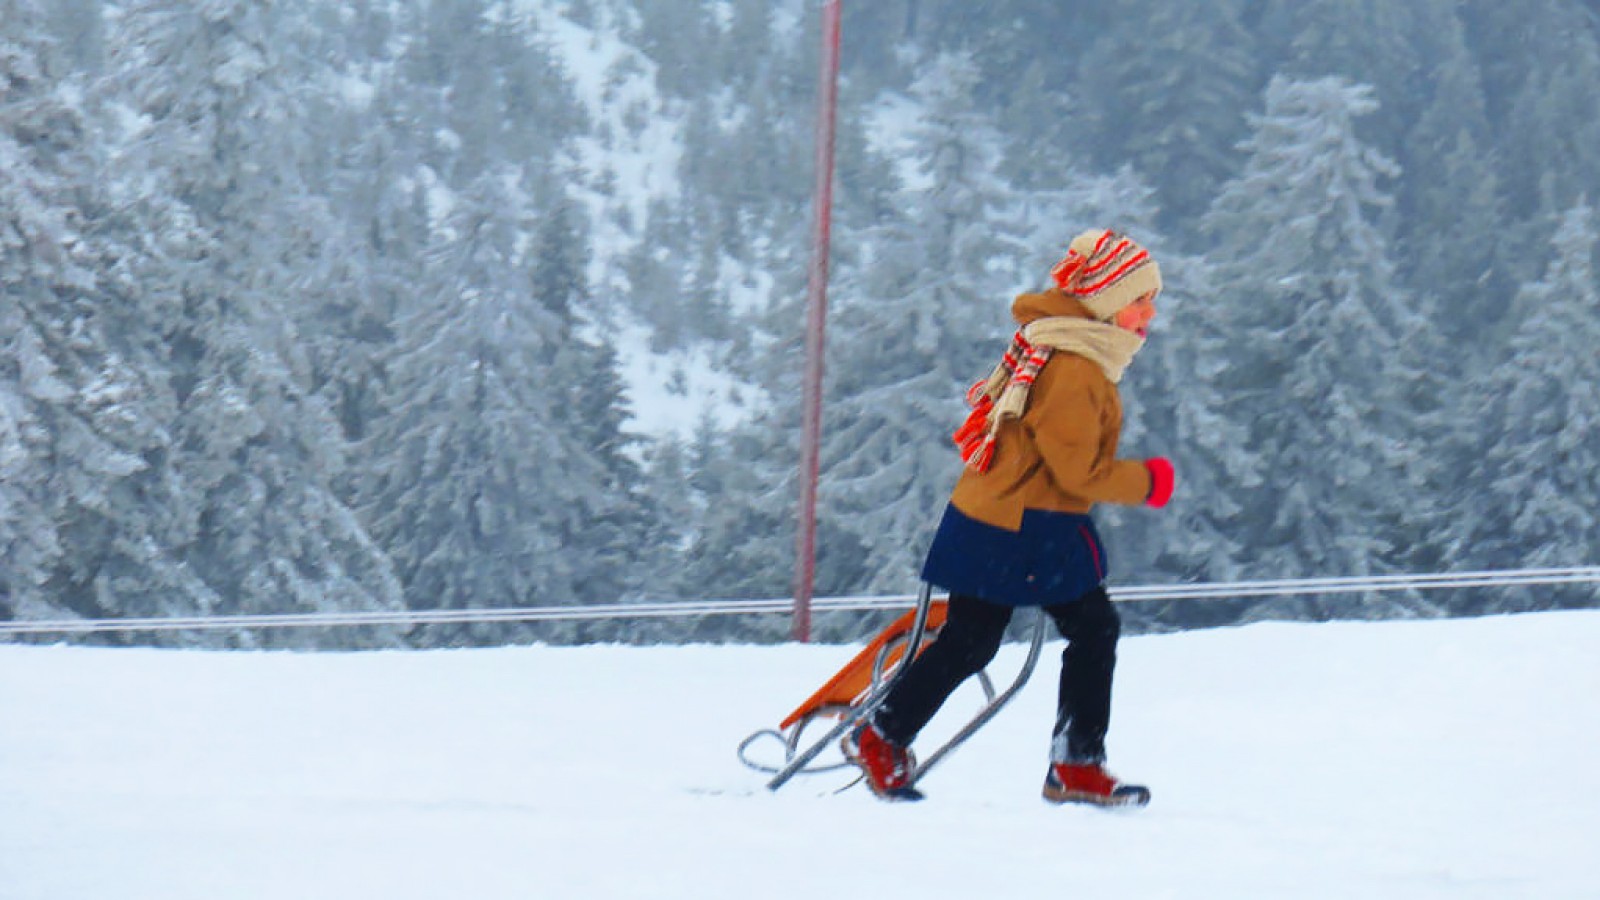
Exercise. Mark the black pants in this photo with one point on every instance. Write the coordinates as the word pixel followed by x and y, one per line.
pixel 969 640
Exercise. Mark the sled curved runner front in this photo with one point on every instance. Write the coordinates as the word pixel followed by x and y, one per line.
pixel 862 684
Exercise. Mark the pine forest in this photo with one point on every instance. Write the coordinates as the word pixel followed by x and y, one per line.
pixel 358 305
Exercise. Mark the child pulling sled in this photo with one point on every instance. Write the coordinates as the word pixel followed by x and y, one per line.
pixel 1040 450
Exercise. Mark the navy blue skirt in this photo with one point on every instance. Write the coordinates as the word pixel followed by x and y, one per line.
pixel 1054 558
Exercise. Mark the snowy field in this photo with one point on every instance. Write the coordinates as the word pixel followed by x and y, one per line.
pixel 1376 760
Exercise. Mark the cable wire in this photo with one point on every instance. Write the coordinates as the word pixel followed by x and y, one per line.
pixel 687 608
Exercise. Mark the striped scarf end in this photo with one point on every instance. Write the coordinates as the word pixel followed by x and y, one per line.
pixel 976 425
pixel 979 454
pixel 975 438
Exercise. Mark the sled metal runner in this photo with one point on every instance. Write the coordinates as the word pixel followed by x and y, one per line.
pixel 840 697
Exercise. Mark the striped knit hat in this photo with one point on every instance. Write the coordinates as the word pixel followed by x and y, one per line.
pixel 1106 271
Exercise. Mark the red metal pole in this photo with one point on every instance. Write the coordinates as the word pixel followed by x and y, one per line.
pixel 816 319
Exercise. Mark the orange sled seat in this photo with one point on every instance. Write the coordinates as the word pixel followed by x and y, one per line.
pixel 864 671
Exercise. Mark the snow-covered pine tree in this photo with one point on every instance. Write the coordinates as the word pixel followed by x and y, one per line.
pixel 222 229
pixel 1530 470
pixel 1324 338
pixel 35 262
pixel 603 523
pixel 83 412
pixel 465 475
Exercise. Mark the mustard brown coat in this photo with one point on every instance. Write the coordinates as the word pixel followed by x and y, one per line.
pixel 1020 533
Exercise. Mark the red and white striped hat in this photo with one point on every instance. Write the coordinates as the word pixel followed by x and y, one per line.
pixel 1106 271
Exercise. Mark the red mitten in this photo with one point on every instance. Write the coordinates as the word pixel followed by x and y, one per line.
pixel 1162 481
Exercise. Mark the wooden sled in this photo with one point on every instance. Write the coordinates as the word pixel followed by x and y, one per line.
pixel 861 686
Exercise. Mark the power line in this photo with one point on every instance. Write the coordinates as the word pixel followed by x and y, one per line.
pixel 688 608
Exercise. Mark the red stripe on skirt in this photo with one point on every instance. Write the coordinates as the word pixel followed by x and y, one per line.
pixel 1094 548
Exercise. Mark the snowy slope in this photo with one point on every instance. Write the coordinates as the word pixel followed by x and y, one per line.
pixel 1407 759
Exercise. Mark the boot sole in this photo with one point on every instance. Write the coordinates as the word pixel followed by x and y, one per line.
pixel 1125 796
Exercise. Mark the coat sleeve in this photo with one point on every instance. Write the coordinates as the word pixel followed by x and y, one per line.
pixel 1074 425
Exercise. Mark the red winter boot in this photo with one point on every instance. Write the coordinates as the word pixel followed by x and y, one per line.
pixel 1091 783
pixel 888 766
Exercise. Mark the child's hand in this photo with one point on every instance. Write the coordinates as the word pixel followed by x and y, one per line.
pixel 1162 480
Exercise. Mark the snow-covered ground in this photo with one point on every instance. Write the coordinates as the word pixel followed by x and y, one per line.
pixel 1376 760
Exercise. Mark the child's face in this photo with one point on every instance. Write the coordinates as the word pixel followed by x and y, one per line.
pixel 1137 316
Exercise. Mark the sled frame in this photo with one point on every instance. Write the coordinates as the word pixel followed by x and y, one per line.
pixel 847 687
pixel 850 716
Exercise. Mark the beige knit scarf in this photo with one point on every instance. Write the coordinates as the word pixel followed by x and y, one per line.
pixel 1004 394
